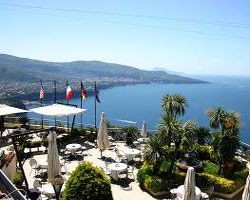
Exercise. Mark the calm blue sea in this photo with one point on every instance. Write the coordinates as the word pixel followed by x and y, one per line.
pixel 143 102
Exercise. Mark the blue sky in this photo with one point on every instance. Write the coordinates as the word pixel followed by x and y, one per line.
pixel 192 36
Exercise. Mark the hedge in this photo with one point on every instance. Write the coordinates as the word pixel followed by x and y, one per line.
pixel 87 182
pixel 222 185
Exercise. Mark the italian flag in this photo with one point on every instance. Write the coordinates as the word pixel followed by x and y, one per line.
pixel 69 93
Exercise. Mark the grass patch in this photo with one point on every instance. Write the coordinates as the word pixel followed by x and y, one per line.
pixel 211 168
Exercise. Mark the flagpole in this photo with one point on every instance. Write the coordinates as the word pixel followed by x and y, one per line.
pixel 81 101
pixel 67 83
pixel 95 104
pixel 55 98
pixel 41 99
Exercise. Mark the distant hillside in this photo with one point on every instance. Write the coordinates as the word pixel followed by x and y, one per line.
pixel 16 68
pixel 168 71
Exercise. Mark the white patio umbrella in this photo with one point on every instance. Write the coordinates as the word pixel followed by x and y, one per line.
pixel 58 110
pixel 189 185
pixel 102 137
pixel 246 193
pixel 144 130
pixel 8 110
pixel 54 167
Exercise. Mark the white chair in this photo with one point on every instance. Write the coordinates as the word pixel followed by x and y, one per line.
pixel 131 171
pixel 34 166
pixel 37 184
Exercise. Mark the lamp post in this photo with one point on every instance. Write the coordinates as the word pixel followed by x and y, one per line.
pixel 57 184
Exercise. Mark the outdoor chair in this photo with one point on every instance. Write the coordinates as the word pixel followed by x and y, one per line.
pixel 123 175
pixel 37 184
pixel 120 156
pixel 34 166
pixel 63 164
pixel 130 171
pixel 209 191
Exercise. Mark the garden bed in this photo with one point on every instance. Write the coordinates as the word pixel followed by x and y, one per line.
pixel 223 187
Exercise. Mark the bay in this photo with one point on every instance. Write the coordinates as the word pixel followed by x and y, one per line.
pixel 136 103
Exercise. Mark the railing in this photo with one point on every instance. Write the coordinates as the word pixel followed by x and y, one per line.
pixel 45 122
pixel 244 147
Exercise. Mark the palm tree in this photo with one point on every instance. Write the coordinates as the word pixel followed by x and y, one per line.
pixel 226 142
pixel 217 116
pixel 167 127
pixel 202 134
pixel 174 105
pixel 188 134
pixel 155 152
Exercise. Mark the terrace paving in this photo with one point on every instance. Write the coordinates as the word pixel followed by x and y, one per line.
pixel 93 155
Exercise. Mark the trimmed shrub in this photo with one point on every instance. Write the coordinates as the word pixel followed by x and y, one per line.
pixel 203 151
pixel 87 182
pixel 18 179
pixel 211 168
pixel 155 184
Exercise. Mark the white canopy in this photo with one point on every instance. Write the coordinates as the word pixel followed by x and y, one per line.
pixel 189 185
pixel 102 137
pixel 8 110
pixel 144 130
pixel 58 110
pixel 54 167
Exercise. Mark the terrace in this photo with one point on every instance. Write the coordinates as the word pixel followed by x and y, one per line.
pixel 162 165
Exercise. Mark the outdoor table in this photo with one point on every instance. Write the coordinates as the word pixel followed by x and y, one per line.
pixel 73 148
pixel 131 153
pixel 116 168
pixel 180 192
pixel 43 164
pixel 142 140
pixel 48 190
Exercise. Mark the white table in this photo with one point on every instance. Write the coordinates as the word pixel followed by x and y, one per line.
pixel 131 153
pixel 116 168
pixel 43 164
pixel 180 192
pixel 142 140
pixel 73 148
pixel 48 189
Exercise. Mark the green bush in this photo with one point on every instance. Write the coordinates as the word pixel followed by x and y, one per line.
pixel 155 184
pixel 87 182
pixel 211 168
pixel 18 179
pixel 204 152
pixel 146 170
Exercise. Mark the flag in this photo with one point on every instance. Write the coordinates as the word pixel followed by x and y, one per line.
pixel 54 91
pixel 69 92
pixel 97 94
pixel 41 92
pixel 83 92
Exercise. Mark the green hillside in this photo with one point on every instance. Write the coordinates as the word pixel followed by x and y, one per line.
pixel 15 68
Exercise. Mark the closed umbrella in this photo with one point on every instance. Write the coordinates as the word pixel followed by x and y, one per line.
pixel 144 130
pixel 54 167
pixel 246 193
pixel 189 185
pixel 102 137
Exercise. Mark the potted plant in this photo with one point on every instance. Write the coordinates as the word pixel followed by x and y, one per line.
pixel 131 134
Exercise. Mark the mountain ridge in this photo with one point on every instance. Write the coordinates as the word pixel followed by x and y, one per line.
pixel 25 69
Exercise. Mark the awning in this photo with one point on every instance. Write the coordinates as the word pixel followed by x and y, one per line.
pixel 58 110
pixel 8 110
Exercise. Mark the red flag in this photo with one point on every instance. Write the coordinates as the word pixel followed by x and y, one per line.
pixel 83 92
pixel 69 93
pixel 41 92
